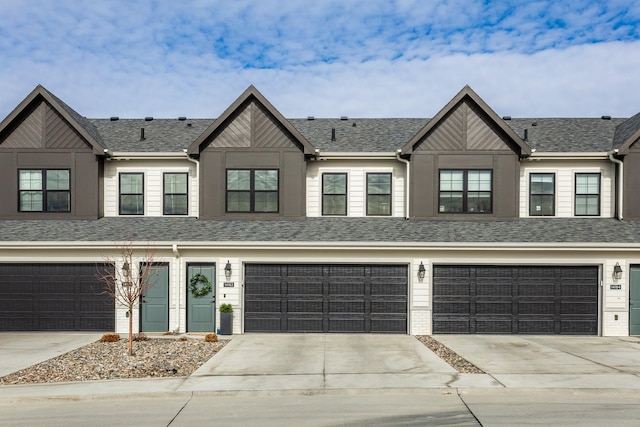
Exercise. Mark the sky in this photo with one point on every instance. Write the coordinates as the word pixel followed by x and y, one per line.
pixel 323 58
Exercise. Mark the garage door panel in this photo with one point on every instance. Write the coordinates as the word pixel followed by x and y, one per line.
pixel 494 325
pixel 304 306
pixel 264 288
pixel 344 297
pixel 536 307
pixel 263 305
pixel 536 326
pixel 516 299
pixel 493 307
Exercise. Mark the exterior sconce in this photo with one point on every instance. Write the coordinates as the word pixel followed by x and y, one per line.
pixel 617 271
pixel 127 276
pixel 421 271
pixel 227 270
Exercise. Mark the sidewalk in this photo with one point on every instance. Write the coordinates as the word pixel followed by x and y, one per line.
pixel 316 363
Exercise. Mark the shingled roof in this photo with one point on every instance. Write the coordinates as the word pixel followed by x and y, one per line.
pixel 590 231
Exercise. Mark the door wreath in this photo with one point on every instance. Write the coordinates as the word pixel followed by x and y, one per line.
pixel 194 283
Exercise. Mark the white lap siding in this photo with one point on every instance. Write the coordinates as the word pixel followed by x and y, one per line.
pixel 153 171
pixel 356 184
pixel 565 172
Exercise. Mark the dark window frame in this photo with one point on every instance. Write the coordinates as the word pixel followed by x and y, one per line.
pixel 343 195
pixel 465 192
pixel 379 194
pixel 576 194
pixel 44 191
pixel 552 195
pixel 165 194
pixel 120 193
pixel 252 190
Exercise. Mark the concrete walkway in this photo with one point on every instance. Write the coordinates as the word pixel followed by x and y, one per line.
pixel 325 363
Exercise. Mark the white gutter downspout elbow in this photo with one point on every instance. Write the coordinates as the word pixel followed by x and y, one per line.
pixel 177 255
pixel 406 191
pixel 197 162
pixel 619 181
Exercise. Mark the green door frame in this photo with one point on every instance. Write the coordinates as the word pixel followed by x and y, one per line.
pixel 154 307
pixel 201 316
pixel 634 300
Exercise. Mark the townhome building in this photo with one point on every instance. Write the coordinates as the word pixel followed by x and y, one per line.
pixel 467 222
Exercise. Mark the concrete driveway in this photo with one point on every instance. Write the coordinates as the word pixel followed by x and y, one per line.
pixel 552 361
pixel 19 350
pixel 326 361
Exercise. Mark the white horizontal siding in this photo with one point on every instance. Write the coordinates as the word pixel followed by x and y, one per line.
pixel 565 171
pixel 153 171
pixel 356 171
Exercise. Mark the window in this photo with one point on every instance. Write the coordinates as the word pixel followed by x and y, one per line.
pixel 44 190
pixel 131 194
pixel 175 194
pixel 252 190
pixel 334 194
pixel 542 194
pixel 465 191
pixel 378 194
pixel 587 194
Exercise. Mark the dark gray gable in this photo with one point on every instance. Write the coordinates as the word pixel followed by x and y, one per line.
pixel 41 120
pixel 251 121
pixel 466 123
pixel 627 134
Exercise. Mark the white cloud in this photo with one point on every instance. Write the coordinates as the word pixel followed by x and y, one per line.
pixel 326 58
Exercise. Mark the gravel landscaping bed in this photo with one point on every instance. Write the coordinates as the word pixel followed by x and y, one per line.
pixel 154 358
pixel 452 358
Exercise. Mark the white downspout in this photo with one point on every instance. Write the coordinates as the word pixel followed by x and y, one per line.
pixel 406 191
pixel 619 180
pixel 177 254
pixel 197 180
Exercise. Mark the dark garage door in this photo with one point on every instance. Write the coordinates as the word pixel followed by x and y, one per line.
pixel 53 297
pixel 515 300
pixel 325 298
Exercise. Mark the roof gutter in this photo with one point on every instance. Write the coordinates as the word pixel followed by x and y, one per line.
pixel 619 180
pixel 197 162
pixel 406 183
pixel 563 156
pixel 132 155
pixel 350 156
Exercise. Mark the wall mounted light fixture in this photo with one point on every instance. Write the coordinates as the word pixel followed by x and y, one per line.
pixel 227 270
pixel 421 271
pixel 617 271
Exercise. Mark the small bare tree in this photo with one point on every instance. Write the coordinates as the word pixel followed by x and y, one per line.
pixel 125 285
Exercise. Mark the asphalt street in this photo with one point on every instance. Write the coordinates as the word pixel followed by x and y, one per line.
pixel 473 407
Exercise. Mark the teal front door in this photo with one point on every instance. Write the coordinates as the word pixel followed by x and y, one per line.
pixel 634 300
pixel 154 310
pixel 200 303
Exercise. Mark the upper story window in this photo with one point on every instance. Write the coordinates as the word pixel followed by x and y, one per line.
pixel 252 190
pixel 175 194
pixel 131 194
pixel 465 191
pixel 334 194
pixel 542 196
pixel 44 190
pixel 379 194
pixel 587 201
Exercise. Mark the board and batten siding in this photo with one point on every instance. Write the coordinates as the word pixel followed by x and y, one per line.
pixel 356 184
pixel 153 173
pixel 565 172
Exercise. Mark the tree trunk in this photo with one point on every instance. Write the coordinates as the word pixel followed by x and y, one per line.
pixel 130 332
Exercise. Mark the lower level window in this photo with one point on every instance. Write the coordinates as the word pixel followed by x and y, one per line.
pixel 465 191
pixel 44 190
pixel 252 190
pixel 175 194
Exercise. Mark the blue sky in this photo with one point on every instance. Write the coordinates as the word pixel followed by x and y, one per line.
pixel 370 58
